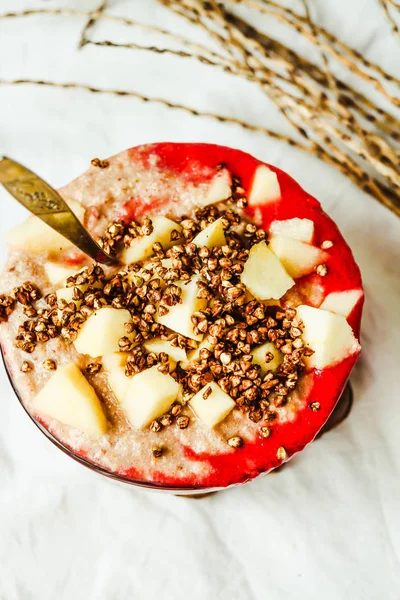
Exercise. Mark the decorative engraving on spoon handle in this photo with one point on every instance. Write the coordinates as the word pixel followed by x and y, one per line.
pixel 46 203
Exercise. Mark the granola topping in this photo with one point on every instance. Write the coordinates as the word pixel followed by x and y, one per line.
pixel 49 364
pixel 26 367
pixel 157 451
pixel 98 162
pixel 232 323
pixel 265 432
pixel 281 453
pixel 235 442
pixel 322 270
pixel 93 368
pixel 7 304
pixel 155 426
pixel 182 421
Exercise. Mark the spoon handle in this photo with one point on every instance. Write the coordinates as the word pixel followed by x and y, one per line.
pixel 46 203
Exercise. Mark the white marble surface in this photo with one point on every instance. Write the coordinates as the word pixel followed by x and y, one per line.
pixel 328 526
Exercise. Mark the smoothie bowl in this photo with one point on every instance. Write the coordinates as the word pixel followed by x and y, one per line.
pixel 219 345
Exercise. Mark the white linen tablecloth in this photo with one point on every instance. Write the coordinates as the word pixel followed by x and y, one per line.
pixel 328 525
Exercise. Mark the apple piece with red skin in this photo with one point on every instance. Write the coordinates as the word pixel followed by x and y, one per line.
pixel 329 336
pixel 297 229
pixel 219 190
pixel 264 187
pixel 342 303
pixel 297 257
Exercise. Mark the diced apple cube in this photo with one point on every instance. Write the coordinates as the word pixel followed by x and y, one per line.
pixel 114 360
pixel 119 383
pixel 101 332
pixel 212 235
pixel 264 188
pixel 260 352
pixel 297 229
pixel 342 303
pixel 211 408
pixel 328 334
pixel 35 236
pixel 67 293
pixel 70 399
pixel 179 317
pixel 298 258
pixel 114 364
pixel 220 189
pixel 264 275
pixel 142 247
pixel 57 272
pixel 149 395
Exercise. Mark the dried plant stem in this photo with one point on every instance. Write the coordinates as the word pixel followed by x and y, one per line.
pixel 138 96
pixel 289 104
pixel 364 181
pixel 335 121
pixel 126 21
pixel 123 20
pixel 208 57
pixel 386 4
pixel 293 19
pixel 197 48
pixel 214 59
pixel 330 78
pixel 91 22
pixel 328 48
pixel 261 61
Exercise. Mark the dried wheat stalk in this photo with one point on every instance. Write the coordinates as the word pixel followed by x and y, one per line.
pixel 91 23
pixel 350 57
pixel 337 123
pixel 151 99
pixel 387 5
pixel 94 16
pixel 328 114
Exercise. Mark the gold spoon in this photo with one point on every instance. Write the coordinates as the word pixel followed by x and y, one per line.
pixel 46 203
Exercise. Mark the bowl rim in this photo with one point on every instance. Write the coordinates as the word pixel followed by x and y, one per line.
pixel 347 398
pixel 178 490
